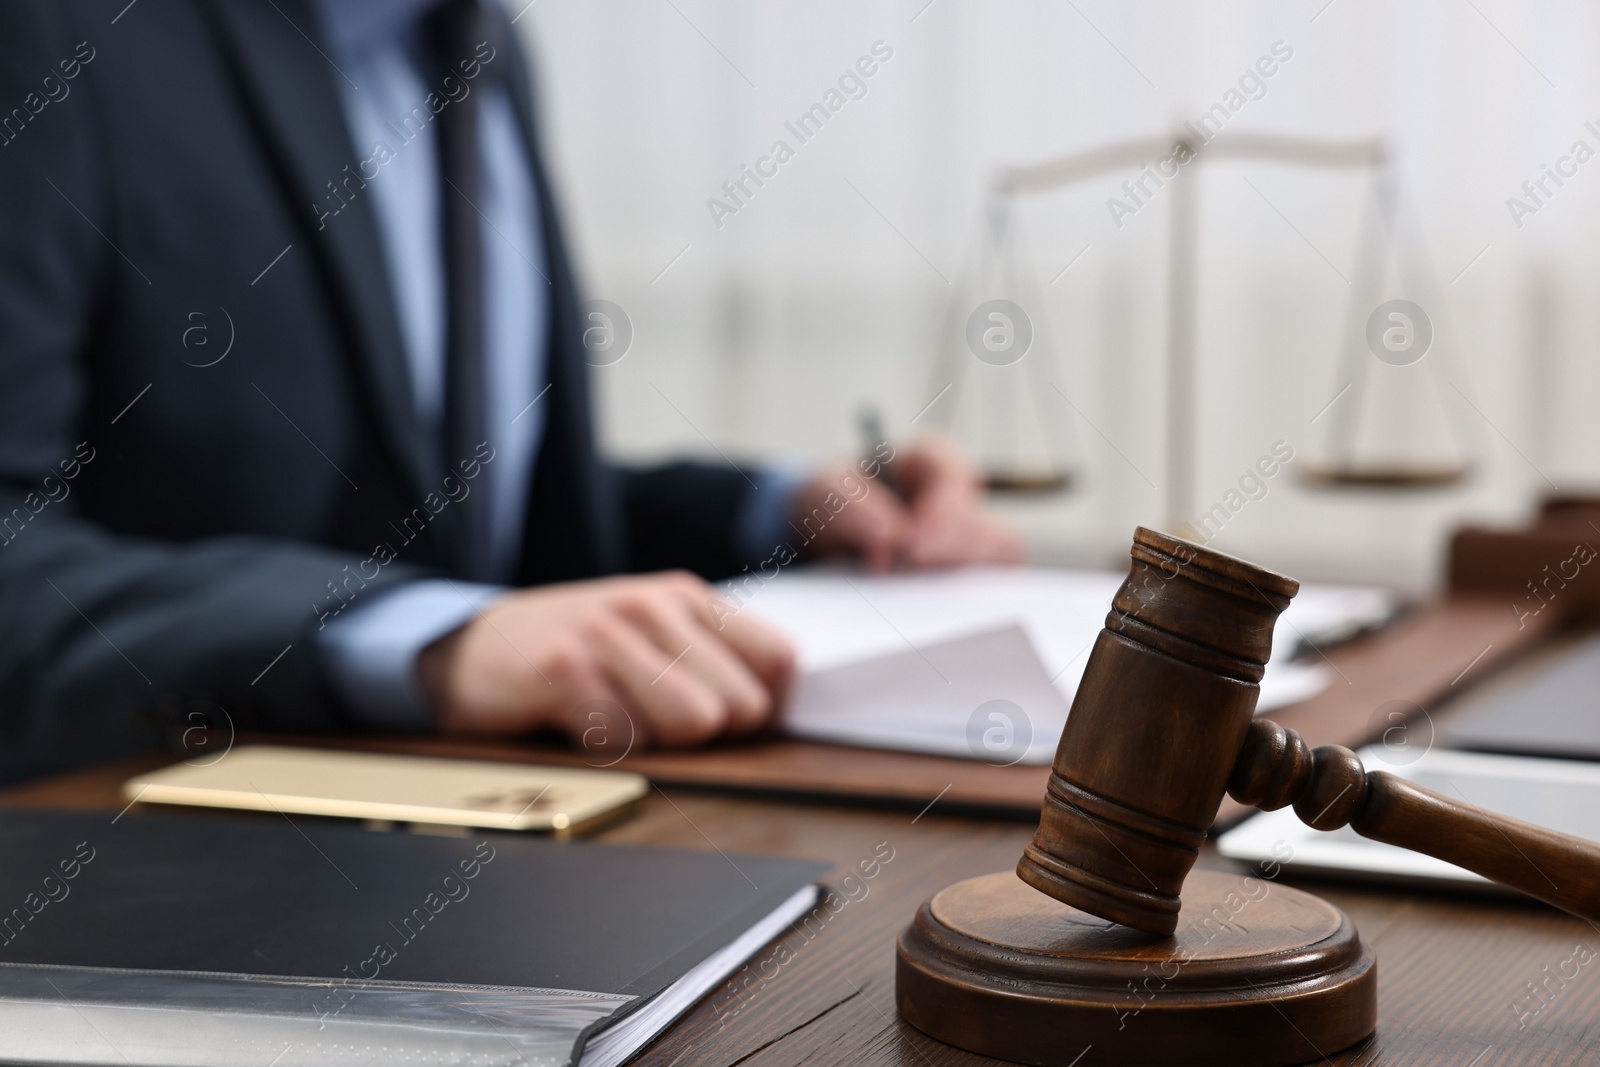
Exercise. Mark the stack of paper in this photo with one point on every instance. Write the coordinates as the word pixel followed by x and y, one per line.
pixel 984 662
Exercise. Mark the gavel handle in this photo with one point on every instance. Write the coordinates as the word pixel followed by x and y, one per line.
pixel 1556 868
pixel 1329 788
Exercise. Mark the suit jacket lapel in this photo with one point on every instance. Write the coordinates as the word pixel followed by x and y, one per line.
pixel 289 88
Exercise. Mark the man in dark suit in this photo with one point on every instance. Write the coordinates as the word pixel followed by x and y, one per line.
pixel 294 419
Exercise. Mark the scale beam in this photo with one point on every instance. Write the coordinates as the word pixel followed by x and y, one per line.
pixel 1074 168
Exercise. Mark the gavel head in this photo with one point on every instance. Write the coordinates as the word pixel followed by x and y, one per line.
pixel 1158 721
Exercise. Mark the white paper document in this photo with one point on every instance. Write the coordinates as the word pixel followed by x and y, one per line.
pixel 984 662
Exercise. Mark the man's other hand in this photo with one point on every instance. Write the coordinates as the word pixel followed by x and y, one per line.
pixel 934 517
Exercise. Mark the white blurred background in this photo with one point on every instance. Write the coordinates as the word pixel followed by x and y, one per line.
pixel 831 285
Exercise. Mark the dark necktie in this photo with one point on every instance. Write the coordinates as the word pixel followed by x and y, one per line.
pixel 456 29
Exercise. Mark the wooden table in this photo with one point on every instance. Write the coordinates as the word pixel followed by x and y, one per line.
pixel 1454 973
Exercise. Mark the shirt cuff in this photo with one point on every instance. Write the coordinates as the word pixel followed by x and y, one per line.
pixel 763 520
pixel 371 649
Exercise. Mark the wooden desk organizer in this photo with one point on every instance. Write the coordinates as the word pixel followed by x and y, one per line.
pixel 1546 568
pixel 1102 945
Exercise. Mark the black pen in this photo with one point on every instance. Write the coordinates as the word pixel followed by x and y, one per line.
pixel 876 447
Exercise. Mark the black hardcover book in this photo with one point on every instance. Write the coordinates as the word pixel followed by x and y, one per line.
pixel 166 940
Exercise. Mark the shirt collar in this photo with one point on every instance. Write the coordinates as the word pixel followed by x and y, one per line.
pixel 358 27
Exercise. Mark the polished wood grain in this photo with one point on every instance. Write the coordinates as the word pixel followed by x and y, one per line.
pixel 992 964
pixel 1166 699
pixel 1453 972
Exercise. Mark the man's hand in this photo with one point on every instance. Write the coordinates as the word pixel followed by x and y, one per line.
pixel 652 644
pixel 937 519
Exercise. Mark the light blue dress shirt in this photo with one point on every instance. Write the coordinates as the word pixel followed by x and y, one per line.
pixel 377 45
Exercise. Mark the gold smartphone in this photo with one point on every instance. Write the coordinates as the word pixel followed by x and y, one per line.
pixel 382 788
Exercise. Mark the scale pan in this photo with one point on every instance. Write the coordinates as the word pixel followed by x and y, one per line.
pixel 1022 482
pixel 1401 475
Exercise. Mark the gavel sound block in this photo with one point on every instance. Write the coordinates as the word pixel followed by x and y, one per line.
pixel 1087 955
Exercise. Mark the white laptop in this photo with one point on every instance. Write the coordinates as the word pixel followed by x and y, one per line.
pixel 1563 795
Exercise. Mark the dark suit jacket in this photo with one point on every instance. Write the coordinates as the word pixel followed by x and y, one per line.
pixel 167 528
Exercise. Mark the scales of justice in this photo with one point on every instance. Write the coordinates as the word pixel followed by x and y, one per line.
pixel 1394 425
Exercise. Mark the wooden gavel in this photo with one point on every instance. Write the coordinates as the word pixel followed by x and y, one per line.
pixel 1163 724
